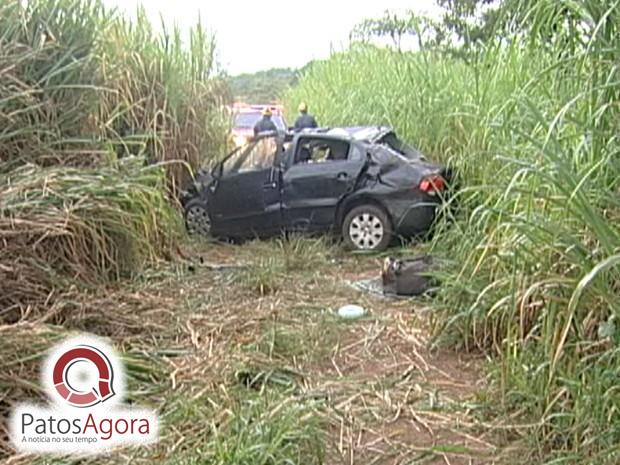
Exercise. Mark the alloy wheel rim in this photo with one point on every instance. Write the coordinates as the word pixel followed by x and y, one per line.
pixel 366 231
pixel 198 220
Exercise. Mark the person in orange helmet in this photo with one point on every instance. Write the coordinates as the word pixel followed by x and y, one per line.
pixel 304 120
pixel 265 124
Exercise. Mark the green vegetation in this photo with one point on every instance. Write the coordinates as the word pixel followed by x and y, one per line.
pixel 529 123
pixel 269 272
pixel 102 121
pixel 268 429
pixel 64 225
pixel 263 86
pixel 87 102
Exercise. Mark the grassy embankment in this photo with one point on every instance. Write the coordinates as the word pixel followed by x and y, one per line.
pixel 89 105
pixel 100 121
pixel 530 126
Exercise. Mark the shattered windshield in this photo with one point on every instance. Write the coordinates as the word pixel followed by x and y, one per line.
pixel 256 156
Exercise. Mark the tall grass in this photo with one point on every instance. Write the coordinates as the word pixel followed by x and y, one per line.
pixel 62 226
pixel 101 121
pixel 530 126
pixel 88 100
pixel 77 80
pixel 166 97
pixel 49 84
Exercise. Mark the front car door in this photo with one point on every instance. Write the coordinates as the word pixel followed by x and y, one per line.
pixel 245 200
pixel 323 170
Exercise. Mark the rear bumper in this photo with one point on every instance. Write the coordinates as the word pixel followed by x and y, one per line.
pixel 413 217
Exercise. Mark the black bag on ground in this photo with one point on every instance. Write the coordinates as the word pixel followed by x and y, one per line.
pixel 407 276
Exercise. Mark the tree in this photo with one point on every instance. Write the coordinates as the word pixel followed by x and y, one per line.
pixel 263 86
pixel 427 31
pixel 471 21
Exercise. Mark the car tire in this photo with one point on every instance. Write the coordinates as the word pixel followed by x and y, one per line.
pixel 197 219
pixel 367 228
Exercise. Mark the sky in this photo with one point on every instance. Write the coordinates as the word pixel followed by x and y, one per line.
pixel 257 35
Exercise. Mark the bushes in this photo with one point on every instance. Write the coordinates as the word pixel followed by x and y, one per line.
pixel 530 127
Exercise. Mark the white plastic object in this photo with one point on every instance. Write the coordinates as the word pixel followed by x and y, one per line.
pixel 351 312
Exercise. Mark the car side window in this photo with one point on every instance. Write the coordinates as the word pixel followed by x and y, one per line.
pixel 356 153
pixel 316 150
pixel 256 156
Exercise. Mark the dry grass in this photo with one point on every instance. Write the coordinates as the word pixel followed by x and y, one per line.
pixel 64 229
pixel 89 105
pixel 242 376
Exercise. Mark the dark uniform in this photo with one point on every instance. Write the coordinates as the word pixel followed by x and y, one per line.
pixel 304 120
pixel 264 125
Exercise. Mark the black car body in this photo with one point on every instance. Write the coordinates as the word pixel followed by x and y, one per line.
pixel 363 182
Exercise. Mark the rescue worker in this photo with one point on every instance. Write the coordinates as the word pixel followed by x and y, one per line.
pixel 304 120
pixel 265 124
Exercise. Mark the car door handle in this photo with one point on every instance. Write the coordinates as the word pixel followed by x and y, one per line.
pixel 342 176
pixel 270 185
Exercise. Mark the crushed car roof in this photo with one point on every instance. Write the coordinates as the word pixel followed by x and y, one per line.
pixel 360 133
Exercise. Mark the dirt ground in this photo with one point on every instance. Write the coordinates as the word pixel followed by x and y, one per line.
pixel 258 320
pixel 390 397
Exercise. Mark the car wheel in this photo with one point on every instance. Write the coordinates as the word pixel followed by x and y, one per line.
pixel 197 218
pixel 367 228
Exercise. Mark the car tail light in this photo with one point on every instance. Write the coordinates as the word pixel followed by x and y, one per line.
pixel 432 185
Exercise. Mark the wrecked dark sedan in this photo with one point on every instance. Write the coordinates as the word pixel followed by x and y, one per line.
pixel 363 183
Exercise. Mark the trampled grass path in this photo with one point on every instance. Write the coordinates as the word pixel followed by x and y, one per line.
pixel 381 392
pixel 241 351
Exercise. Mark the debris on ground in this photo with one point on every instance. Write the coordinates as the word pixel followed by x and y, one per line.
pixel 407 276
pixel 215 266
pixel 251 364
pixel 372 286
pixel 351 312
pixel 400 278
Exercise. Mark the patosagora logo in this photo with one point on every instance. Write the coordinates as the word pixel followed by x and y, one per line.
pixel 83 376
pixel 84 380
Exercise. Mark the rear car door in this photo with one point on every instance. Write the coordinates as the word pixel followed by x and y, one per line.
pixel 322 170
pixel 245 201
